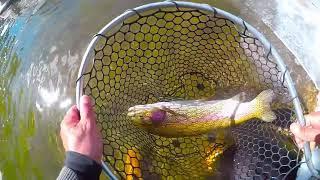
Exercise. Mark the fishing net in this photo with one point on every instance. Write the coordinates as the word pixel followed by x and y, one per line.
pixel 177 50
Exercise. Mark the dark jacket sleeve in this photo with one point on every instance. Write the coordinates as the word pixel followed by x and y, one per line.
pixel 79 167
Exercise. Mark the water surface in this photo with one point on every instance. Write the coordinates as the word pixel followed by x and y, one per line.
pixel 41 46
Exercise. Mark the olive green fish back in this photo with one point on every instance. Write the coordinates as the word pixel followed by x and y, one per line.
pixel 175 53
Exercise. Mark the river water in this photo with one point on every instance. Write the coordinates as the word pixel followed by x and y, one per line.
pixel 41 46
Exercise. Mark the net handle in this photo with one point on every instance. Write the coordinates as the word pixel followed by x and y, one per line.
pixel 205 7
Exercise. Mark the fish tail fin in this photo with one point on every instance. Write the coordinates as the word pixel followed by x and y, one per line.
pixel 262 102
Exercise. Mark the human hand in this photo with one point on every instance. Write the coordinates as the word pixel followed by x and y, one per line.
pixel 310 132
pixel 79 132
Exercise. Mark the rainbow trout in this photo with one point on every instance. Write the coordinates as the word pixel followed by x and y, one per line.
pixel 195 117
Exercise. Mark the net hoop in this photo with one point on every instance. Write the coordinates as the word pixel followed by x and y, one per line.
pixel 204 7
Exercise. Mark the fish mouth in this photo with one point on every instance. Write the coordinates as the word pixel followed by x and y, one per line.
pixel 132 111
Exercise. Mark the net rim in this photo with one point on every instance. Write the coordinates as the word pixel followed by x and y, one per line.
pixel 204 7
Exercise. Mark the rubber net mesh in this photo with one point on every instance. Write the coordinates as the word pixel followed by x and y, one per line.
pixel 176 53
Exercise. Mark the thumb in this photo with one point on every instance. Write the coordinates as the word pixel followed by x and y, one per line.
pixel 86 110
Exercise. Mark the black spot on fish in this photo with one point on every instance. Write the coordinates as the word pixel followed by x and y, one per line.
pixel 176 143
pixel 200 86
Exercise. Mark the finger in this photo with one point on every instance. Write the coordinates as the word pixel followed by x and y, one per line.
pixel 312 145
pixel 86 110
pixel 72 117
pixel 86 107
pixel 305 133
pixel 313 119
pixel 299 142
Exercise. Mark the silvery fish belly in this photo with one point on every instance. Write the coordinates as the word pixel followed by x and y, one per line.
pixel 195 117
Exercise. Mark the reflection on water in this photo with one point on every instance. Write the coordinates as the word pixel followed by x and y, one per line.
pixel 294 23
pixel 291 27
pixel 41 45
pixel 304 38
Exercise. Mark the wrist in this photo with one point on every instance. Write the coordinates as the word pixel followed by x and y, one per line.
pixel 89 153
pixel 83 164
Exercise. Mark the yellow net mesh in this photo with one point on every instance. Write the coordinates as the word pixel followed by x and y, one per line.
pixel 181 53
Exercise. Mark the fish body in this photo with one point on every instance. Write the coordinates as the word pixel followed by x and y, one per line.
pixel 195 117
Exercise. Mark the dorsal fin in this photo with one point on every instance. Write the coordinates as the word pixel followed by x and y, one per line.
pixel 241 97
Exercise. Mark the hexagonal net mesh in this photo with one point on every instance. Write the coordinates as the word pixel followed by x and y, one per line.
pixel 168 53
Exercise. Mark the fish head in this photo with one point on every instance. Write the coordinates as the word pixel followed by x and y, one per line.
pixel 146 115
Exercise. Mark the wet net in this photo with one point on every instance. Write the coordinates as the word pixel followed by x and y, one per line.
pixel 169 51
